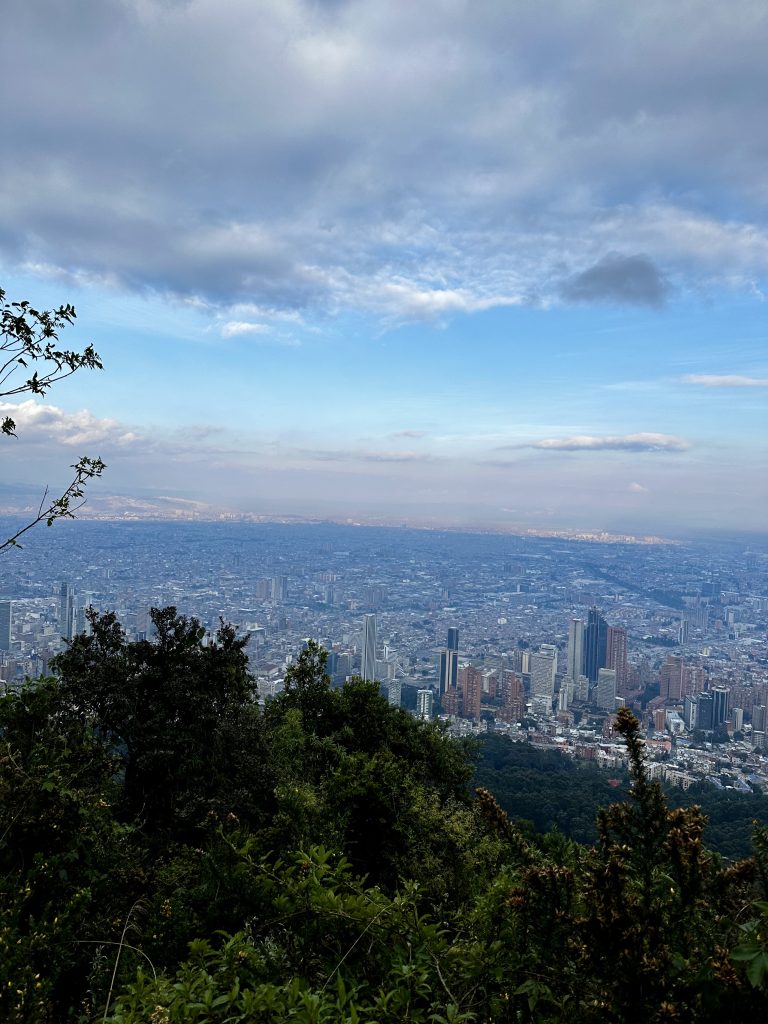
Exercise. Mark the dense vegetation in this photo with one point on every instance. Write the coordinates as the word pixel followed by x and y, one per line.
pixel 553 792
pixel 170 852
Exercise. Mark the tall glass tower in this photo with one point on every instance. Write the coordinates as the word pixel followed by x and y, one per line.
pixel 595 644
pixel 368 649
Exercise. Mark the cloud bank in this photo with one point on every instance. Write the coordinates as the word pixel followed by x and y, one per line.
pixel 406 160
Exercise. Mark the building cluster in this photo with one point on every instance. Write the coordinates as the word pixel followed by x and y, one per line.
pixel 541 637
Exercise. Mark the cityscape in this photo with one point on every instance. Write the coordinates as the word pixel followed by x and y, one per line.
pixel 383 548
pixel 539 638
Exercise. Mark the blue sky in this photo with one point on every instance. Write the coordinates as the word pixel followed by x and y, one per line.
pixel 464 263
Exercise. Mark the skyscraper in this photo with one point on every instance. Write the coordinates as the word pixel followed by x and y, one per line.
pixel 512 696
pixel 471 681
pixel 595 642
pixel 67 611
pixel 705 712
pixel 449 668
pixel 575 656
pixel 606 689
pixel 368 649
pixel 671 676
pixel 721 696
pixel 616 655
pixel 543 671
pixel 6 615
pixel 452 643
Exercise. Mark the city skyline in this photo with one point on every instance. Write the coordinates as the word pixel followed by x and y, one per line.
pixel 450 265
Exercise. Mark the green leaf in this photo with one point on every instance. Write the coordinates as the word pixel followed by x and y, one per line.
pixel 757 972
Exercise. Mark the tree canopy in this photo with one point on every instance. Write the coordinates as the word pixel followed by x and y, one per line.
pixel 173 851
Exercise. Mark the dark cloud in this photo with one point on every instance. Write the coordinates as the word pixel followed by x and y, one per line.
pixel 632 280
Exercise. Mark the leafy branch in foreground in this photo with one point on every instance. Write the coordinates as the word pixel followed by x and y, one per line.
pixel 67 505
pixel 29 340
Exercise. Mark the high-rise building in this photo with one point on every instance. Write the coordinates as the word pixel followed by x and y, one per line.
pixel 67 612
pixel 449 668
pixel 616 656
pixel 543 671
pixel 691 712
pixel 720 705
pixel 512 696
pixel 606 689
pixel 595 643
pixel 368 649
pixel 671 678
pixel 471 684
pixel 693 679
pixel 705 712
pixel 450 701
pixel 452 643
pixel 394 693
pixel 424 704
pixel 6 618
pixel 575 654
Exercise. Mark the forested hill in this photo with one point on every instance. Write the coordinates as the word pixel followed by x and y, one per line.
pixel 170 852
pixel 551 791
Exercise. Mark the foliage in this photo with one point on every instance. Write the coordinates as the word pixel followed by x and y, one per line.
pixel 63 858
pixel 29 340
pixel 174 709
pixel 659 905
pixel 173 852
pixel 552 791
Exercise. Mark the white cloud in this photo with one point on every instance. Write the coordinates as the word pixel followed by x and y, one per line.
pixel 236 328
pixel 725 380
pixel 644 442
pixel 636 488
pixel 38 422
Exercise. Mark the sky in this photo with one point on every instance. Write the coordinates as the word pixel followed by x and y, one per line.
pixel 463 263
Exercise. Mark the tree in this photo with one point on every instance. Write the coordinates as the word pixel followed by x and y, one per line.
pixel 177 710
pixel 29 341
pixel 66 869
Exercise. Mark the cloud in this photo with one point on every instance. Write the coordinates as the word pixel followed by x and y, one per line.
pixel 631 280
pixel 410 300
pixel 37 422
pixel 236 328
pixel 411 434
pixel 725 380
pixel 411 161
pixel 644 442
pixel 636 488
